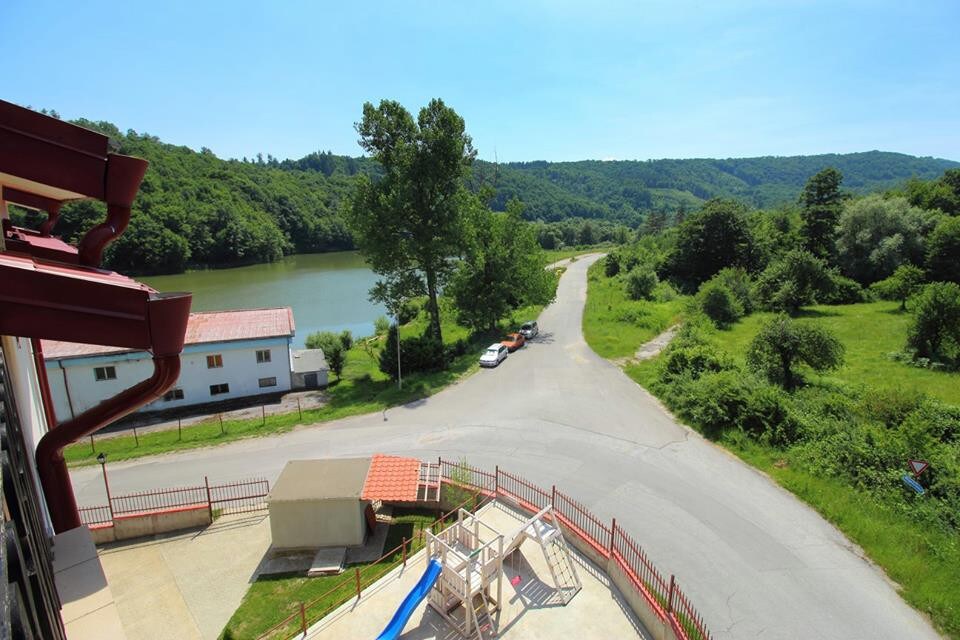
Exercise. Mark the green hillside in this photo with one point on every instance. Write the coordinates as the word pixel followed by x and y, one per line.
pixel 197 210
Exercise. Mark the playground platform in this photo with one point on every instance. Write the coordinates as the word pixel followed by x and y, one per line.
pixel 532 608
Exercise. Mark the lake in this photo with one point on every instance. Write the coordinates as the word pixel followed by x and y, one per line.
pixel 328 291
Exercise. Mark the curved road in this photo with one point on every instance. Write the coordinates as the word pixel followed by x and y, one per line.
pixel 756 562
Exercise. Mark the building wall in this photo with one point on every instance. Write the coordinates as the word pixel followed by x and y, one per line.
pixel 240 371
pixel 18 356
pixel 317 523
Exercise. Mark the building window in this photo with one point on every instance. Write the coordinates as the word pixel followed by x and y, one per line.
pixel 105 373
pixel 217 389
pixel 263 355
pixel 173 394
pixel 268 382
pixel 214 362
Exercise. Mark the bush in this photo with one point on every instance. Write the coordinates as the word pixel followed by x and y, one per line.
pixel 611 265
pixel 725 400
pixel 333 349
pixel 737 280
pixel 798 279
pixel 719 304
pixel 691 361
pixel 935 331
pixel 421 353
pixel 842 290
pixel 664 292
pixel 346 339
pixel 409 311
pixel 782 344
pixel 641 282
pixel 381 325
pixel 903 284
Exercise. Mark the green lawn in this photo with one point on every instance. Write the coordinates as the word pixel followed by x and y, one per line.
pixel 614 326
pixel 363 389
pixel 869 331
pixel 271 599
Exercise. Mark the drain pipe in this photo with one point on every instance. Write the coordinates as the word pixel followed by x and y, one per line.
pixel 52 467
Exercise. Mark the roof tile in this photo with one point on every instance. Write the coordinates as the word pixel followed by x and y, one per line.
pixel 392 478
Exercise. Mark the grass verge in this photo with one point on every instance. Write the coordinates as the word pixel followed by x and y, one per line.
pixel 271 599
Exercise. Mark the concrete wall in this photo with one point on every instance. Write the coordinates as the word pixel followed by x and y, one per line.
pixel 299 383
pixel 240 370
pixel 148 524
pixel 318 523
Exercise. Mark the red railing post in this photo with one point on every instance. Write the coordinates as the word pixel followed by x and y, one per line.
pixel 613 532
pixel 303 619
pixel 496 481
pixel 673 585
pixel 357 574
pixel 206 483
pixel 404 544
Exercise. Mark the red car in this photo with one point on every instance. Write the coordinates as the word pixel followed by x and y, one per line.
pixel 513 341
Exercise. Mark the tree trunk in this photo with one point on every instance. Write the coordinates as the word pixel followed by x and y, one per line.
pixel 432 307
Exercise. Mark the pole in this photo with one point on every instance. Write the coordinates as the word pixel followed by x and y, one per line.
pixel 399 374
pixel 220 418
pixel 299 410
pixel 673 586
pixel 102 459
pixel 135 438
pixel 92 448
pixel 613 533
pixel 206 483
pixel 404 543
pixel 303 619
pixel 357 574
pixel 179 429
pixel 263 415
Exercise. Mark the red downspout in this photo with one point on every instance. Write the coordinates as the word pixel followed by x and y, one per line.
pixel 50 463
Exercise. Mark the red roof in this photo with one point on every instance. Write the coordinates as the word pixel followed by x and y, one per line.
pixel 392 478
pixel 202 328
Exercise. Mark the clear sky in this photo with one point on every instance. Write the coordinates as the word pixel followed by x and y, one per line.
pixel 534 79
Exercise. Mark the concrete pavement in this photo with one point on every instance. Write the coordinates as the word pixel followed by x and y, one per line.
pixel 755 561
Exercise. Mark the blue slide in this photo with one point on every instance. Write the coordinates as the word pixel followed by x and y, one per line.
pixel 413 599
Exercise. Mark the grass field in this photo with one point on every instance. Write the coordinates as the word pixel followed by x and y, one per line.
pixel 869 332
pixel 614 326
pixel 270 599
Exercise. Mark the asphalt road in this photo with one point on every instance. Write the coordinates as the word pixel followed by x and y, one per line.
pixel 756 562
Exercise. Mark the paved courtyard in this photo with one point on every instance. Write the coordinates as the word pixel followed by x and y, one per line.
pixel 185 585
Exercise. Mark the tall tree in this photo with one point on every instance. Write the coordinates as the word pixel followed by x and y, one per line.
pixel 502 270
pixel 714 238
pixel 411 221
pixel 822 202
pixel 782 344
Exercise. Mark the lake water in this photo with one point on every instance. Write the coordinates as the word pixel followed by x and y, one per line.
pixel 328 291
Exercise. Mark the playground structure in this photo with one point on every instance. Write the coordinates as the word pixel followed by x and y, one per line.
pixel 466 563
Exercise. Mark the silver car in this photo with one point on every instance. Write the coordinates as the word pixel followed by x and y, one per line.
pixel 494 355
pixel 529 329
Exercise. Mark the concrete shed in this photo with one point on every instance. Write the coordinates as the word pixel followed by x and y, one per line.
pixel 318 503
pixel 309 369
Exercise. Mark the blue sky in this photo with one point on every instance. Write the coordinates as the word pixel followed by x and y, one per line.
pixel 534 80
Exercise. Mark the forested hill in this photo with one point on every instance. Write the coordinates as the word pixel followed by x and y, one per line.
pixel 624 190
pixel 197 210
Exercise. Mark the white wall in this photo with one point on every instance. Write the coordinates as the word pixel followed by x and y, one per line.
pixel 18 355
pixel 240 370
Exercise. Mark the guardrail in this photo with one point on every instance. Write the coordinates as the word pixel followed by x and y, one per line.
pixel 232 497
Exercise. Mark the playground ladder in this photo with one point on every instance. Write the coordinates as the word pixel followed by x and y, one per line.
pixel 481 616
pixel 557 555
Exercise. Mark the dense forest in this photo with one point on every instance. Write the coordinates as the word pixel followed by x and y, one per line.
pixel 197 210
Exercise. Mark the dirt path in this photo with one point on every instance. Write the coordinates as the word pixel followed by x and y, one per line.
pixel 650 348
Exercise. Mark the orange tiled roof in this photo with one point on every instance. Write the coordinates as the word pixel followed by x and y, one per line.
pixel 203 327
pixel 392 478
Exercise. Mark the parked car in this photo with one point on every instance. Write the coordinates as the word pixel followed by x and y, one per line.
pixel 513 341
pixel 494 355
pixel 529 329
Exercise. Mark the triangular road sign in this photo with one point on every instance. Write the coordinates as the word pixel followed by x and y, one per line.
pixel 918 466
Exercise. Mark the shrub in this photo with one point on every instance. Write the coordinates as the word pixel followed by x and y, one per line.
pixel 935 330
pixel 782 344
pixel 409 311
pixel 333 349
pixel 737 280
pixel 798 279
pixel 719 304
pixel 421 353
pixel 381 325
pixel 611 265
pixel 664 292
pixel 346 339
pixel 641 282
pixel 903 284
pixel 842 290
pixel 692 361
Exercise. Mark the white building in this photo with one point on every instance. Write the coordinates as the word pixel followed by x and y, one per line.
pixel 226 355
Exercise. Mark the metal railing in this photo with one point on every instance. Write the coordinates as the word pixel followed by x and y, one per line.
pixel 233 497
